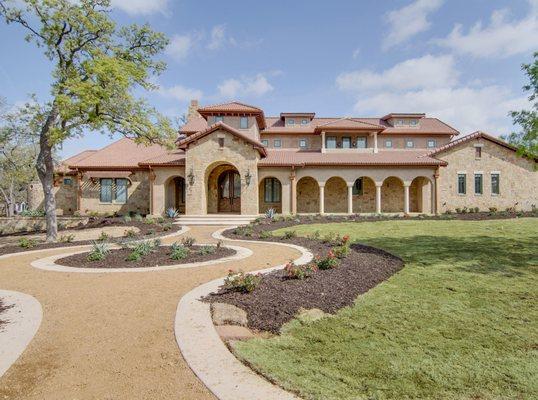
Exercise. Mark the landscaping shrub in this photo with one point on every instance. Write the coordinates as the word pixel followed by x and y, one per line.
pixel 99 251
pixel 219 244
pixel 493 210
pixel 265 234
pixel 32 213
pixel 328 262
pixel 341 252
pixel 178 251
pixel 138 218
pixel 149 221
pixel 244 230
pixel 241 282
pixel 103 237
pixel 188 241
pixel 458 210
pixel 142 249
pixel 294 271
pixel 26 243
pixel 130 233
pixel 204 250
pixel 67 238
pixel 172 213
pixel 270 214
pixel 315 235
pixel 329 237
pixel 166 226
pixel 289 235
pixel 127 218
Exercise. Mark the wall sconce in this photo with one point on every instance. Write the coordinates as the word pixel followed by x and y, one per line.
pixel 191 177
pixel 248 177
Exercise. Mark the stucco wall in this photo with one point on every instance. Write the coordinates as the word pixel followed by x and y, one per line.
pixel 291 141
pixel 203 156
pixel 283 175
pixel 162 189
pixel 420 141
pixel 518 179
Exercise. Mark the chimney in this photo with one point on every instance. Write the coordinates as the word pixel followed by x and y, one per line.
pixel 193 110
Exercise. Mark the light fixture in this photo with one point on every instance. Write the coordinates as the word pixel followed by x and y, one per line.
pixel 248 177
pixel 191 177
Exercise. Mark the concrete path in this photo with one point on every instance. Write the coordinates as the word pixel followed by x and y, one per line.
pixel 111 336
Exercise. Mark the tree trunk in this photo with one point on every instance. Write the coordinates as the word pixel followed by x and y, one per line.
pixel 45 172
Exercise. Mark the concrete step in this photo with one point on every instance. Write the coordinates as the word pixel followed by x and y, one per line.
pixel 215 219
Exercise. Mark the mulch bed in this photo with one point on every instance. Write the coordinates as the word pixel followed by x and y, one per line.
pixel 3 307
pixel 118 258
pixel 146 231
pixel 278 299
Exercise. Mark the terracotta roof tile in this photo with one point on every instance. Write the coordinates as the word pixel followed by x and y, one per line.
pixel 172 158
pixel 474 135
pixel 196 124
pixel 348 123
pixel 233 106
pixel 63 167
pixel 392 157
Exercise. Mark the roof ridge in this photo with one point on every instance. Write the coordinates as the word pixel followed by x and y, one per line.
pixel 230 102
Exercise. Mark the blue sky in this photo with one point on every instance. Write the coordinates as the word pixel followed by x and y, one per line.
pixel 456 60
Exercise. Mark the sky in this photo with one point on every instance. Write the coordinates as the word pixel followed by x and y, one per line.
pixel 457 60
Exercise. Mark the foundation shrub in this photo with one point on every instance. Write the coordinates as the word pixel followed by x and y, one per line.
pixel 327 262
pixel 244 230
pixel 493 210
pixel 138 218
pixel 127 218
pixel 99 251
pixel 178 251
pixel 172 213
pixel 166 226
pixel 242 282
pixel 294 271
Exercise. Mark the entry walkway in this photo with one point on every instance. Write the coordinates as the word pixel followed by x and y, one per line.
pixel 111 336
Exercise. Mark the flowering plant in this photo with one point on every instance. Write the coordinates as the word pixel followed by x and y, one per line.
pixel 242 282
pixel 294 271
pixel 330 261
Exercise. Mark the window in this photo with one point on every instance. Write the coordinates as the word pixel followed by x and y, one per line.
pixel 388 143
pixel 462 183
pixel 478 152
pixel 221 142
pixel 106 190
pixel 409 143
pixel 495 183
pixel 432 143
pixel 304 121
pixel 330 142
pixel 413 122
pixel 361 142
pixel 303 144
pixel 243 123
pixel 277 143
pixel 265 142
pixel 219 118
pixel 290 121
pixel 399 122
pixel 346 142
pixel 68 181
pixel 113 190
pixel 272 190
pixel 357 187
pixel 478 189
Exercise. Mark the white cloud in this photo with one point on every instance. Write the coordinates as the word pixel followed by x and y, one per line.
pixel 245 87
pixel 501 38
pixel 181 93
pixel 408 21
pixel 180 46
pixel 431 84
pixel 218 37
pixel 356 53
pixel 145 7
pixel 426 71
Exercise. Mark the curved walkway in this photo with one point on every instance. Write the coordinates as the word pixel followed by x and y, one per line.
pixel 111 336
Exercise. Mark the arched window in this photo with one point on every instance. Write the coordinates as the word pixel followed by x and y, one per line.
pixel 272 190
pixel 357 187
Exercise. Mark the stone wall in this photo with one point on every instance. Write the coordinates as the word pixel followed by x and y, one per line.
pixel 35 224
pixel 163 189
pixel 392 195
pixel 335 195
pixel 365 202
pixel 283 175
pixel 65 193
pixel 518 178
pixel 307 195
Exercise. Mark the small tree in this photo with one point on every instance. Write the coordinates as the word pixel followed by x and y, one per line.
pixel 527 139
pixel 96 67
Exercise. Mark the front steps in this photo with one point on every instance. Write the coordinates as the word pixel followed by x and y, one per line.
pixel 216 219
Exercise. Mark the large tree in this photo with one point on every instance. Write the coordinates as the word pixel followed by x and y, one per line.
pixel 97 67
pixel 526 140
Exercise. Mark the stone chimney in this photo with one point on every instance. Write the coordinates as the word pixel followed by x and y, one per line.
pixel 193 113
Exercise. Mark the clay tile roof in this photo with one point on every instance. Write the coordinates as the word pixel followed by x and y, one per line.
pixel 348 123
pixel 403 115
pixel 172 158
pixel 183 144
pixel 474 135
pixel 234 107
pixel 124 153
pixel 63 167
pixel 194 125
pixel 303 158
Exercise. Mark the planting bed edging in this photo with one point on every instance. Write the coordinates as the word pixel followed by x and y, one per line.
pixel 49 263
pixel 23 320
pixel 183 230
pixel 207 355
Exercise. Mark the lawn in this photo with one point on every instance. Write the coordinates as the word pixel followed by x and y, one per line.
pixel 460 321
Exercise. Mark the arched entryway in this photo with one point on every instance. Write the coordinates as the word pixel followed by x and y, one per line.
pixel 335 195
pixel 175 194
pixel 420 195
pixel 364 195
pixel 224 190
pixel 270 195
pixel 307 195
pixel 392 195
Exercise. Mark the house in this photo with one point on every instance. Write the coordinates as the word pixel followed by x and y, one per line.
pixel 230 158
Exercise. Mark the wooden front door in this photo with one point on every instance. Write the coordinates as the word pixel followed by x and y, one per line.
pixel 179 188
pixel 229 192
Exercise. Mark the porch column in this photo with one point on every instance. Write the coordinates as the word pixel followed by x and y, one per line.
pixel 323 142
pixel 436 178
pixel 406 197
pixel 293 181
pixel 378 197
pixel 151 191
pixel 432 197
pixel 375 142
pixel 322 198
pixel 350 199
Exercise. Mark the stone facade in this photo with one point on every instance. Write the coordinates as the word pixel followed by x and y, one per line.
pixel 518 177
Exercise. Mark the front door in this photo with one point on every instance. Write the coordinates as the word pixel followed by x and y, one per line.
pixel 179 188
pixel 229 192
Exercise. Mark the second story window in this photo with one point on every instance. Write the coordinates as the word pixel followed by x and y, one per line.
pixel 346 142
pixel 219 118
pixel 265 142
pixel 303 144
pixel 361 142
pixel 431 143
pixel 409 143
pixel 290 121
pixel 304 122
pixel 330 142
pixel 243 123
pixel 388 143
pixel 277 143
pixel 478 152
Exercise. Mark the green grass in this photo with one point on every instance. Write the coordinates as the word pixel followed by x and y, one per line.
pixel 460 321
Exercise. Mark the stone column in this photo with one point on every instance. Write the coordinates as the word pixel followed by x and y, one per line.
pixel 323 142
pixel 432 197
pixel 322 198
pixel 436 178
pixel 378 197
pixel 406 197
pixel 350 199
pixel 293 180
pixel 375 142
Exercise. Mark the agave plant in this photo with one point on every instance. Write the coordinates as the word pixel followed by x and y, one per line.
pixel 270 214
pixel 99 251
pixel 172 213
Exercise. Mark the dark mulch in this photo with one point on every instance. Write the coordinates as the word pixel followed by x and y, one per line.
pixel 278 299
pixel 146 231
pixel 118 258
pixel 3 307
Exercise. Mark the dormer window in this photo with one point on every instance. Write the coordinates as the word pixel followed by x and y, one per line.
pixel 413 122
pixel 290 121
pixel 243 123
pixel 409 143
pixel 304 122
pixel 399 122
pixel 432 143
pixel 219 118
